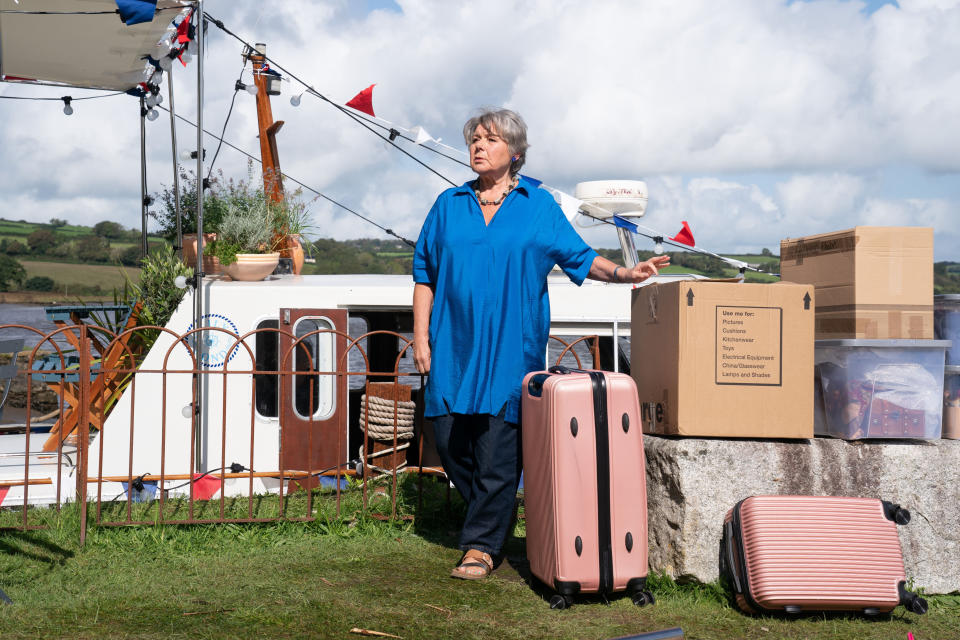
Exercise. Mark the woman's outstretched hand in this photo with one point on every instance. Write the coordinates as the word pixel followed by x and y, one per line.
pixel 645 269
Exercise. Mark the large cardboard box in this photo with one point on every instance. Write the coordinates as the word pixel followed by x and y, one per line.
pixel 713 358
pixel 871 282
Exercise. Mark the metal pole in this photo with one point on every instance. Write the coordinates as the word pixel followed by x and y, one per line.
pixel 143 178
pixel 176 164
pixel 198 290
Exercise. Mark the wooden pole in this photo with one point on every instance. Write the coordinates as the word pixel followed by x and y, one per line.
pixel 272 183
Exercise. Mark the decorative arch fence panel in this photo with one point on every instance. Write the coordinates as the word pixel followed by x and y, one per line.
pixel 144 426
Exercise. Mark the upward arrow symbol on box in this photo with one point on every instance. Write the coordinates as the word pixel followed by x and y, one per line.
pixel 806 301
pixel 689 297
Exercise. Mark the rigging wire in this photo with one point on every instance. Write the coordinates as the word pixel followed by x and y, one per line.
pixel 652 235
pixel 236 90
pixel 319 194
pixel 109 95
pixel 389 139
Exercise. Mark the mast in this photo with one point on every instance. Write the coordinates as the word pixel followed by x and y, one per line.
pixel 272 178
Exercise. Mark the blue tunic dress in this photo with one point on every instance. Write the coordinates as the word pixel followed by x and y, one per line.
pixel 491 313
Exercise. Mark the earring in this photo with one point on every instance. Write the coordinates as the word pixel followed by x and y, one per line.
pixel 515 158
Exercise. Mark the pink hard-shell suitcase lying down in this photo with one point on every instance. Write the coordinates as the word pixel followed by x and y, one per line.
pixel 585 489
pixel 791 554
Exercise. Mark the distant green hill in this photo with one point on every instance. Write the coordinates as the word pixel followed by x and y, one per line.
pixel 108 243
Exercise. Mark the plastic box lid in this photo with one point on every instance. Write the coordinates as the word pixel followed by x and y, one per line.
pixel 885 344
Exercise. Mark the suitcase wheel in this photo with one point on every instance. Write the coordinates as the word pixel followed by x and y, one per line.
pixel 560 602
pixel 641 598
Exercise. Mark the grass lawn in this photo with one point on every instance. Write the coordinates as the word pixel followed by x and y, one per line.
pixel 323 578
pixel 108 276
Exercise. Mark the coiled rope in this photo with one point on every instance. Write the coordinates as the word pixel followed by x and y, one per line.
pixel 379 414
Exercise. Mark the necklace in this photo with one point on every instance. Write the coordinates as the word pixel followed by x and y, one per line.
pixel 485 203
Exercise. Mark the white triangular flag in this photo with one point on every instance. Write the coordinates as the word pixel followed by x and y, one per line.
pixel 420 134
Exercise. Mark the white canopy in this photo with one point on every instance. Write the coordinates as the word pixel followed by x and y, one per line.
pixel 95 51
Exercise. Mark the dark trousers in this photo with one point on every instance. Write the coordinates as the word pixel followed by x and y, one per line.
pixel 482 457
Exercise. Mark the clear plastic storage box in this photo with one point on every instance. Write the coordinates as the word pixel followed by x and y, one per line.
pixel 951 402
pixel 881 388
pixel 946 324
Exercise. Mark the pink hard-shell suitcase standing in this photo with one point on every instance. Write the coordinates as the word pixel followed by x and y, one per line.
pixel 585 489
pixel 791 554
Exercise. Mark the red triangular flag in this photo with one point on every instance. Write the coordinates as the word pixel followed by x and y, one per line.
pixel 183 31
pixel 685 236
pixel 3 493
pixel 206 487
pixel 363 101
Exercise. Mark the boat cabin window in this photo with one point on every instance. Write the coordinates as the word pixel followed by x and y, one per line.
pixel 313 395
pixel 266 389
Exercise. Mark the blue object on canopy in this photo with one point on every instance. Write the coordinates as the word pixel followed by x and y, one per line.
pixel 136 11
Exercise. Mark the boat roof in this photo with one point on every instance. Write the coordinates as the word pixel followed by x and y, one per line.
pixel 70 43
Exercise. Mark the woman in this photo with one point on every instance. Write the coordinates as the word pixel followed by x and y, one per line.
pixel 482 316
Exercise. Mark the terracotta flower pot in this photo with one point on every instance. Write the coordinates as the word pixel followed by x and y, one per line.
pixel 290 247
pixel 211 264
pixel 252 266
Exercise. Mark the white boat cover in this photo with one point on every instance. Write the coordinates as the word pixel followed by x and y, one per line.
pixel 95 51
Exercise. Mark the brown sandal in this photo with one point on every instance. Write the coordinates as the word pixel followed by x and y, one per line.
pixel 474 565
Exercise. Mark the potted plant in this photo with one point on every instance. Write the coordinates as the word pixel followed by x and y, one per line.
pixel 214 208
pixel 245 241
pixel 290 221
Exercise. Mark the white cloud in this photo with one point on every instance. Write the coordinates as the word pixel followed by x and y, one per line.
pixel 753 121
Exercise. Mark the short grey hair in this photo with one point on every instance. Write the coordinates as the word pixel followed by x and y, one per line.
pixel 508 125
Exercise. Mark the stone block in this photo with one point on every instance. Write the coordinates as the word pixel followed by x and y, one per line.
pixel 692 482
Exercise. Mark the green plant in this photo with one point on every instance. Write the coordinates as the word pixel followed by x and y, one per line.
pixel 156 291
pixel 244 229
pixel 214 206
pixel 290 215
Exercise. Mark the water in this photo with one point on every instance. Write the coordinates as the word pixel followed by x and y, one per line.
pixel 31 316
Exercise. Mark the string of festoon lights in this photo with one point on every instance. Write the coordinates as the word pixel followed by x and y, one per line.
pixel 362 105
pixel 178 43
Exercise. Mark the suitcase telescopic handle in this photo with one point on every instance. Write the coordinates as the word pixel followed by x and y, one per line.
pixel 562 370
pixel 731 566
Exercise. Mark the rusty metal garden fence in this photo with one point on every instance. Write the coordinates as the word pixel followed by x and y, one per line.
pixel 277 419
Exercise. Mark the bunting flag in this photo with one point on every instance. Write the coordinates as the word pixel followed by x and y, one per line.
pixel 685 236
pixel 205 486
pixel 136 11
pixel 148 493
pixel 624 223
pixel 185 30
pixel 363 101
pixel 3 494
pixel 420 135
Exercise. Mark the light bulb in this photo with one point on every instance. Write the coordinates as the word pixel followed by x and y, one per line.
pixel 159 99
pixel 658 248
pixel 180 282
pixel 152 115
pixel 187 57
pixel 187 411
pixel 67 109
pixel 295 100
pixel 251 89
pixel 150 100
pixel 165 62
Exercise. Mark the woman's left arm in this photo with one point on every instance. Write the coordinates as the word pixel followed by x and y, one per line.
pixel 607 271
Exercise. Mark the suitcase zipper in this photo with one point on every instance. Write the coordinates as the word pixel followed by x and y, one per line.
pixel 744 582
pixel 603 481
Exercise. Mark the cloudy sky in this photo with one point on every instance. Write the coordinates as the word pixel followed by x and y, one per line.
pixel 760 120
